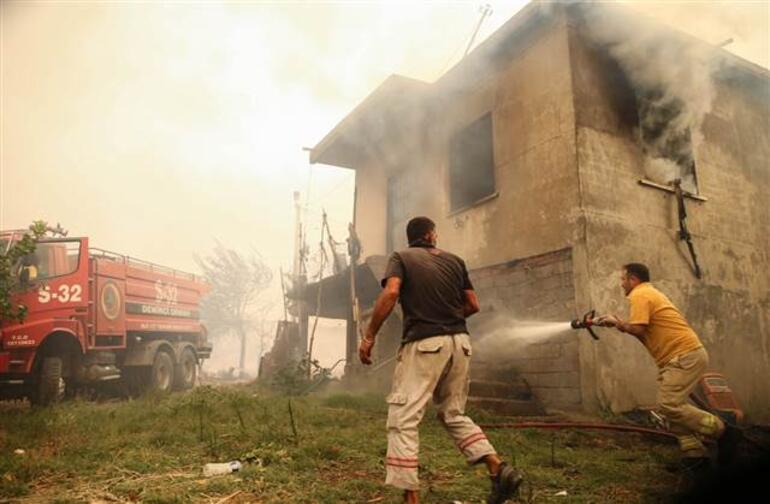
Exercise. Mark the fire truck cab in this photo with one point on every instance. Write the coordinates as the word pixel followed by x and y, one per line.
pixel 95 316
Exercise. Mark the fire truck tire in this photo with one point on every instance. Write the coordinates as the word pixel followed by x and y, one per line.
pixel 186 370
pixel 136 380
pixel 50 384
pixel 162 373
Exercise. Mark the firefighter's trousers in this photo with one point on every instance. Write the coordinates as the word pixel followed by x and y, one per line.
pixel 676 379
pixel 439 367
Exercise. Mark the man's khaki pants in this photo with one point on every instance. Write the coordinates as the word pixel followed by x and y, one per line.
pixel 437 366
pixel 676 380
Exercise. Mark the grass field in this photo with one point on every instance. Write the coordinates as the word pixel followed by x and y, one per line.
pixel 153 449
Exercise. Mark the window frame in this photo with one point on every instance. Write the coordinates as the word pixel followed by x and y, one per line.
pixel 494 193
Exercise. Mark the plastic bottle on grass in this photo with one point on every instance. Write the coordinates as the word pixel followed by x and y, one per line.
pixel 221 468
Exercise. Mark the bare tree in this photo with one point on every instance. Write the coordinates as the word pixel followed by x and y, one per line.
pixel 235 300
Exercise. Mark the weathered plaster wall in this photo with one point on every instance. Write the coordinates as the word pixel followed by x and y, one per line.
pixel 532 111
pixel 531 104
pixel 626 222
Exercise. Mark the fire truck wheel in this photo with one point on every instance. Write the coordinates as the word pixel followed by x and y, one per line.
pixel 50 385
pixel 136 380
pixel 162 376
pixel 186 370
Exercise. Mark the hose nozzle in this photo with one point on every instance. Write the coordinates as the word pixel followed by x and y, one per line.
pixel 586 323
pixel 578 324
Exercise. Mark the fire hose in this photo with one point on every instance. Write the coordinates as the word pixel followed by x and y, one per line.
pixel 580 425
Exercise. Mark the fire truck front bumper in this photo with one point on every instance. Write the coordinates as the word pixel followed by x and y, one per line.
pixel 5 358
pixel 15 363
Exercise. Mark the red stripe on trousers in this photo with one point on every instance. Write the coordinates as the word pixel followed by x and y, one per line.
pixel 409 459
pixel 473 438
pixel 403 466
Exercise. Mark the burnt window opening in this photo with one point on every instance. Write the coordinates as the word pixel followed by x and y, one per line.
pixel 658 120
pixel 471 164
pixel 666 139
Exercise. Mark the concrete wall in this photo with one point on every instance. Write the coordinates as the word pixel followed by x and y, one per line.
pixel 511 294
pixel 532 115
pixel 627 222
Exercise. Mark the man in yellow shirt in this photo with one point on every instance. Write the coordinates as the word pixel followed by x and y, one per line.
pixel 679 354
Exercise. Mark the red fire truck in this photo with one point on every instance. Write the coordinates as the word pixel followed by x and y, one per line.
pixel 96 316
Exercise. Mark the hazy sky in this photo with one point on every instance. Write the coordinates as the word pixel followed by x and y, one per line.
pixel 155 128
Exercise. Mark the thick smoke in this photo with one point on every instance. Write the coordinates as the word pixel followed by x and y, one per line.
pixel 672 76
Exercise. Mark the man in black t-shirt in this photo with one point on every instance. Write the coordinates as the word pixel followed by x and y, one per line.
pixel 433 361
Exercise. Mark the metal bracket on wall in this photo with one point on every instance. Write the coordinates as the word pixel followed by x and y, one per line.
pixel 684 233
pixel 670 189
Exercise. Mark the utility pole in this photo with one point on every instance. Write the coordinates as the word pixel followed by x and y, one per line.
pixel 324 227
pixel 296 269
pixel 353 328
pixel 300 281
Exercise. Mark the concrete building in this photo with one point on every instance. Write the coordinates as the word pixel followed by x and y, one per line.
pixel 528 155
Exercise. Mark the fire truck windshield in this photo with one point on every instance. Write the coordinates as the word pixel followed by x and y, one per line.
pixel 52 259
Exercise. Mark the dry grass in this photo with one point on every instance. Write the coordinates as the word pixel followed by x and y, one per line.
pixel 152 450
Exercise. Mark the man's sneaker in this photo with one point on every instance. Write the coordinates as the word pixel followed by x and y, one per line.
pixel 504 484
pixel 697 469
